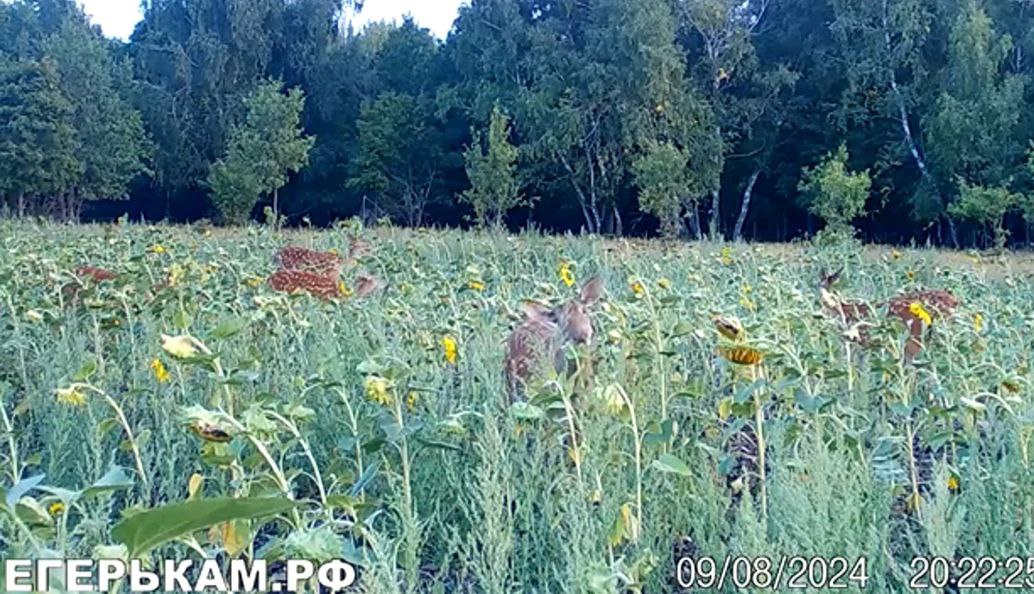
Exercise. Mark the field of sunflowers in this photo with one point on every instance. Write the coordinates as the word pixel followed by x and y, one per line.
pixel 163 395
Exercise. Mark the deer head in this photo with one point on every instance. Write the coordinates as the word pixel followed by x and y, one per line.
pixel 545 334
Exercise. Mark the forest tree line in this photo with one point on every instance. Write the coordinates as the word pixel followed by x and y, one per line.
pixel 756 119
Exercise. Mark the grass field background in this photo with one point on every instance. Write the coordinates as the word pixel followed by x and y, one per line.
pixel 416 466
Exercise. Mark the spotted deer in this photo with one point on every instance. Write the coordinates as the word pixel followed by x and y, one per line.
pixel 320 285
pixel 911 308
pixel 542 339
pixel 319 273
pixel 303 259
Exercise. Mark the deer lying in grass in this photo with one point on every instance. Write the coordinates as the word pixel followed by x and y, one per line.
pixel 546 333
pixel 318 273
pixel 917 309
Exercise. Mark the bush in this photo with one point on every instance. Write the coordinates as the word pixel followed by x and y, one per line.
pixel 833 193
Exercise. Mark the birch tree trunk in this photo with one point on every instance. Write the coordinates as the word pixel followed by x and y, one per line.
pixel 737 233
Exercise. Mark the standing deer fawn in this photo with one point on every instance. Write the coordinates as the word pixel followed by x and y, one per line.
pixel 917 309
pixel 546 333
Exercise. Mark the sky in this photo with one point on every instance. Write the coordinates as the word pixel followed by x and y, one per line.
pixel 118 17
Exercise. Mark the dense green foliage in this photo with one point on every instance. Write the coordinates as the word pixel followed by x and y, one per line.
pixel 688 116
pixel 379 429
pixel 492 170
pixel 834 194
pixel 266 148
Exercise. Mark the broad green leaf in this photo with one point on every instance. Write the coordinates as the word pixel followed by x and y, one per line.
pixel 526 411
pixel 85 372
pixel 745 394
pixel 973 404
pixel 229 328
pixel 21 489
pixel 115 479
pixel 153 528
pixel 671 464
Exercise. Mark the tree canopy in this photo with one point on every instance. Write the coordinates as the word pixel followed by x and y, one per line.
pixel 732 118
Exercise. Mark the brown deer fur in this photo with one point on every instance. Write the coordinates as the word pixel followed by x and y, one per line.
pixel 545 334
pixel 853 314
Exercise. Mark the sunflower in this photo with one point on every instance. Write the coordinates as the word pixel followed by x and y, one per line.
pixel 160 372
pixel 72 396
pixel 742 355
pixel 451 349
pixel 638 289
pixel 978 322
pixel 343 289
pixel 730 328
pixel 476 285
pixel 566 275
pixel 56 509
pixel 953 484
pixel 664 283
pixel 727 256
pixel 211 433
pixel 378 389
pixel 917 310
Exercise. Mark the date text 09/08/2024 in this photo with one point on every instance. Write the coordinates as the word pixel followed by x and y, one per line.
pixel 840 573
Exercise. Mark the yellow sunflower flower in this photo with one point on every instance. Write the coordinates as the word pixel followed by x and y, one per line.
pixel 160 372
pixel 56 509
pixel 157 249
pixel 476 285
pixel 72 396
pixel 378 390
pixel 638 289
pixel 917 310
pixel 978 322
pixel 953 484
pixel 664 283
pixel 451 349
pixel 566 275
pixel 412 400
pixel 727 256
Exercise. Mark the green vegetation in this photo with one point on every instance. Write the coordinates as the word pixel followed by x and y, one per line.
pixel 263 151
pixel 686 118
pixel 274 425
pixel 834 194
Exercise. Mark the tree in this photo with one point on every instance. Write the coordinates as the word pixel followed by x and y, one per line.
pixel 399 156
pixel 492 171
pixel 264 150
pixel 889 86
pixel 662 176
pixel 975 133
pixel 727 73
pixel 112 145
pixel 37 139
pixel 986 206
pixel 833 193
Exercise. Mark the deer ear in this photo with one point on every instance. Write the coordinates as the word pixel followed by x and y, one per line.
pixel 534 310
pixel 592 291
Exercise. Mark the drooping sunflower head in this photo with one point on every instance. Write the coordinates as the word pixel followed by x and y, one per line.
pixel 742 355
pixel 728 327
